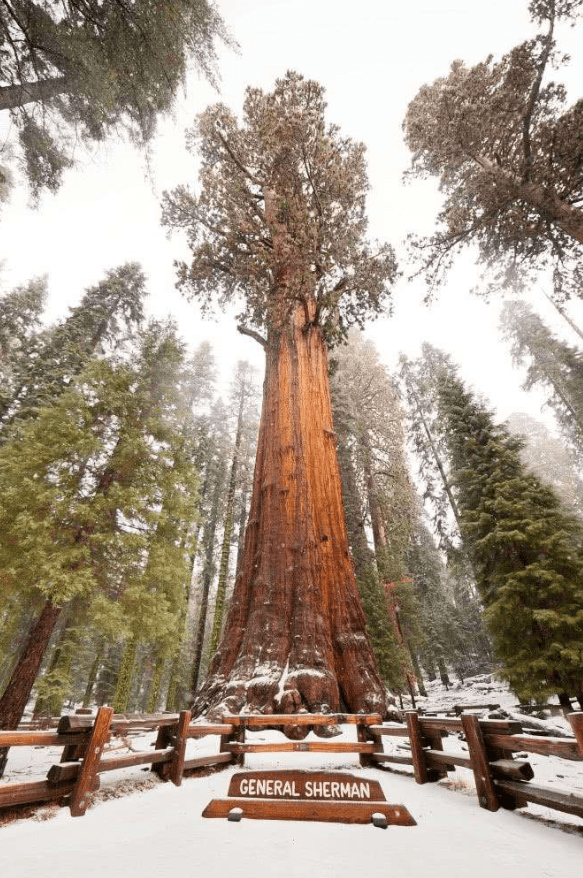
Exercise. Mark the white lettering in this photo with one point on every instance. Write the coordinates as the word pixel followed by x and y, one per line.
pixel 269 788
pixel 345 791
pixel 244 788
pixel 309 789
pixel 278 788
pixel 260 787
pixel 317 790
pixel 295 793
pixel 365 791
pixel 326 789
pixel 335 789
pixel 354 791
pixel 252 784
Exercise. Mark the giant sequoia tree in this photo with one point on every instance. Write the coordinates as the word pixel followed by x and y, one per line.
pixel 506 147
pixel 279 223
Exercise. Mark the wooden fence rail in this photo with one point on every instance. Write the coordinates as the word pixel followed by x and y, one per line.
pixel 501 779
pixel 83 739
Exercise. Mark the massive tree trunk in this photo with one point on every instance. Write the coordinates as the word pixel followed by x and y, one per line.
pixel 13 702
pixel 295 634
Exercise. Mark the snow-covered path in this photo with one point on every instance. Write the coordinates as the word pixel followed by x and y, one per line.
pixel 160 832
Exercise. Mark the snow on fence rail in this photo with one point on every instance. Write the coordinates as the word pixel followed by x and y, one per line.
pixel 501 780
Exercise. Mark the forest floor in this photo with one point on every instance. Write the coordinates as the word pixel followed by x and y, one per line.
pixel 140 826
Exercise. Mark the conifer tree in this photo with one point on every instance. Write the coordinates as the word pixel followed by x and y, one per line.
pixel 280 222
pixel 106 316
pixel 81 494
pixel 526 550
pixel 551 364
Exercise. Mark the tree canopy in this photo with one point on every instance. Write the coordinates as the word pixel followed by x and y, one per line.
pixel 82 68
pixel 507 149
pixel 280 214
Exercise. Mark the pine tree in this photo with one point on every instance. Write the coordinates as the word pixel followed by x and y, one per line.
pixel 551 363
pixel 526 550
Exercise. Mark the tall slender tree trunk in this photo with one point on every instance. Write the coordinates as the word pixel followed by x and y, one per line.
pixel 125 677
pixel 12 96
pixel 93 671
pixel 207 577
pixel 16 694
pixel 227 532
pixel 295 635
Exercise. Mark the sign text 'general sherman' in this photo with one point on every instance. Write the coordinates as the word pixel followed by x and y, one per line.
pixel 305 785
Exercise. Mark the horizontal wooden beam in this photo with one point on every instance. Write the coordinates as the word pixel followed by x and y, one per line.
pixel 41 739
pixel 261 721
pixel 303 747
pixel 439 757
pixel 304 809
pixel 201 761
pixel 391 757
pixel 200 731
pixel 570 803
pixel 397 731
pixel 32 791
pixel 511 769
pixel 119 723
pixel 563 747
pixel 493 726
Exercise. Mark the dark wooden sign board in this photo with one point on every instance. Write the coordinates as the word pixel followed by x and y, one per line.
pixel 307 795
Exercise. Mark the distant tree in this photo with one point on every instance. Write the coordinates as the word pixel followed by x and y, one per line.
pixel 20 321
pixel 279 225
pixel 507 152
pixel 82 70
pixel 550 459
pixel 551 364
pixel 527 551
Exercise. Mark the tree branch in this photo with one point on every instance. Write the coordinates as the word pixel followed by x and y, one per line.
pixel 252 334
pixel 534 93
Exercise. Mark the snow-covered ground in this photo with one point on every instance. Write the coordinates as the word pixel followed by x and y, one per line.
pixel 158 830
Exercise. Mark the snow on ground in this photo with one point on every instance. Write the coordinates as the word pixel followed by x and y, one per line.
pixel 159 831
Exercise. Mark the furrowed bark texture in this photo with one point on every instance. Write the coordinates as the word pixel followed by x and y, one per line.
pixel 295 634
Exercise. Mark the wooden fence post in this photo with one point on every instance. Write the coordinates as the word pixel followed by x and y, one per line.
pixel 480 766
pixel 181 737
pixel 417 751
pixel 89 767
pixel 576 720
pixel 363 735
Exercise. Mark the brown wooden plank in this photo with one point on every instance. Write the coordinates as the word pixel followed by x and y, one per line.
pixel 436 758
pixel 68 771
pixel 576 720
pixel 120 722
pixel 179 748
pixel 200 731
pixel 396 731
pixel 563 747
pixel 494 726
pixel 201 761
pixel 304 809
pixel 290 784
pixel 260 721
pixel 392 757
pixel 570 803
pixel 40 739
pixel 302 747
pixel 417 750
pixel 511 769
pixel 163 742
pixel 90 764
pixel 32 791
pixel 479 757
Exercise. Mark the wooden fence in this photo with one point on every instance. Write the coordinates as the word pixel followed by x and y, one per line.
pixel 501 779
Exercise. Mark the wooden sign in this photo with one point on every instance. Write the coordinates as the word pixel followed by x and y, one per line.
pixel 308 795
pixel 325 785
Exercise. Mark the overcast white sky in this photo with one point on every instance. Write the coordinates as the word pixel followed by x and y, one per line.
pixel 372 57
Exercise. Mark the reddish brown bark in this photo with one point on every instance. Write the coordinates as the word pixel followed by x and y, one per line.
pixel 15 697
pixel 295 634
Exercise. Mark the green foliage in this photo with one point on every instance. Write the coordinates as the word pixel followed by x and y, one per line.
pixel 527 551
pixel 506 149
pixel 281 196
pixel 71 71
